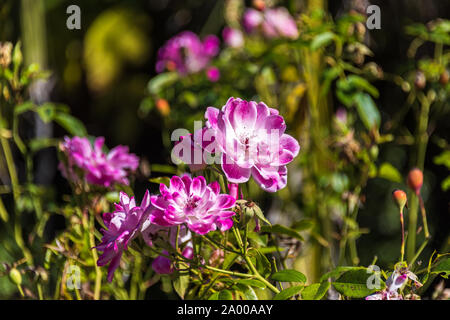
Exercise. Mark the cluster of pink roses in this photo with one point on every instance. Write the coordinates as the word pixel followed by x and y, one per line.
pixel 247 137
pixel 242 135
pixel 187 202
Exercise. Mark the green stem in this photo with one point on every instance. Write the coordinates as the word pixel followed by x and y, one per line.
pixel 411 262
pixel 258 276
pixel 402 249
pixel 98 272
pixel 424 216
pixel 232 273
pixel 421 142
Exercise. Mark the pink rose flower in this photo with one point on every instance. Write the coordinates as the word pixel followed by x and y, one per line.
pixel 272 23
pixel 98 167
pixel 123 226
pixel 186 53
pixel 191 201
pixel 251 137
pixel 252 19
pixel 233 37
pixel 279 23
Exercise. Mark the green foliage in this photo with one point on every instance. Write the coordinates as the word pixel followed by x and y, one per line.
pixel 353 283
pixel 289 275
pixel 288 293
pixel 315 291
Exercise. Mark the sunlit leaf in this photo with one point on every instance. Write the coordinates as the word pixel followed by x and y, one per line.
pixel 315 291
pixel 288 293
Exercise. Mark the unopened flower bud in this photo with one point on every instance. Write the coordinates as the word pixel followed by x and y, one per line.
pixel 259 4
pixel 5 54
pixel 15 276
pixel 400 198
pixel 420 80
pixel 217 257
pixel 17 56
pixel 247 210
pixel 444 77
pixel 163 107
pixel 415 180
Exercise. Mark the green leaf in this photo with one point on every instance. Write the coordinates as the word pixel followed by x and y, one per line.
pixel 261 216
pixel 260 261
pixel 46 112
pixel 445 185
pixel 443 267
pixel 225 295
pixel 41 143
pixel 304 224
pixel 287 293
pixel 247 291
pixel 353 283
pixel 315 291
pixel 336 272
pixel 24 107
pixel 181 284
pixel 3 213
pixel 74 126
pixel 159 180
pixel 389 172
pixel 289 275
pixel 321 40
pixel 367 111
pixel 230 258
pixel 443 159
pixel 163 168
pixel 270 249
pixel 279 229
pixel 252 283
pixel 362 84
pixel 161 81
pixel 214 296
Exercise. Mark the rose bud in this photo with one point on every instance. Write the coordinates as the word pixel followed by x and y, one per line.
pixel 400 198
pixel 444 77
pixel 420 80
pixel 415 180
pixel 163 107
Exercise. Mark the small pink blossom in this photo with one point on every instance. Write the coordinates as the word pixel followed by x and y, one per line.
pixel 252 141
pixel 252 19
pixel 233 37
pixel 193 202
pixel 272 23
pixel 279 23
pixel 186 53
pixel 213 74
pixel 123 225
pixel 98 167
pixel 397 279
